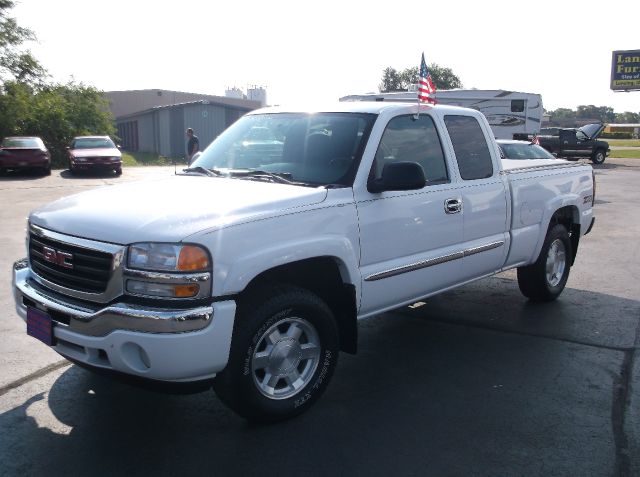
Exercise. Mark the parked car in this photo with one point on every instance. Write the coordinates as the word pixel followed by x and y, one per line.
pixel 24 152
pixel 510 149
pixel 573 144
pixel 94 153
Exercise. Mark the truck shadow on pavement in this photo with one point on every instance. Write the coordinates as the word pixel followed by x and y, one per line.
pixel 478 381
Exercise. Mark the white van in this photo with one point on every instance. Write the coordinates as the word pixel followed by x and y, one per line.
pixel 510 114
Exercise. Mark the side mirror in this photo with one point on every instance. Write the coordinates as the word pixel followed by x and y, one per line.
pixel 401 175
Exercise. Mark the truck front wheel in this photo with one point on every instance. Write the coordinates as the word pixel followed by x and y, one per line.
pixel 283 353
pixel 546 278
pixel 598 157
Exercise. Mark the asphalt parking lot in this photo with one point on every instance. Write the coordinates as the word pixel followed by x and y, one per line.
pixel 477 381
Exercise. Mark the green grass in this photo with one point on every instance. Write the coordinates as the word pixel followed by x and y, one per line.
pixel 130 159
pixel 624 142
pixel 626 153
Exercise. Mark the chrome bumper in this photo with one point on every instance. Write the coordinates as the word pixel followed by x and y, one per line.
pixel 102 321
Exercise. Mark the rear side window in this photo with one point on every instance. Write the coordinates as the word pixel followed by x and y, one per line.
pixel 470 146
pixel 416 140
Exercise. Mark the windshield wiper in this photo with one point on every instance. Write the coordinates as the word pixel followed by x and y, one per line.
pixel 280 177
pixel 203 170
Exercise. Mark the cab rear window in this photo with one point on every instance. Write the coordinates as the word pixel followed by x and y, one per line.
pixel 470 147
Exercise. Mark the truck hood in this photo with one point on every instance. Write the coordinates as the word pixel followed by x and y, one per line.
pixel 592 130
pixel 170 209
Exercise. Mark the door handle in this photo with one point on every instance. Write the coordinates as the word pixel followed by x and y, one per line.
pixel 453 206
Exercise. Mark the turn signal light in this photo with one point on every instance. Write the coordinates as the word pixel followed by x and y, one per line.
pixel 186 291
pixel 192 258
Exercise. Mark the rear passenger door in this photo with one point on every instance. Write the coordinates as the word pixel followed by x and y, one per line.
pixel 484 198
pixel 410 241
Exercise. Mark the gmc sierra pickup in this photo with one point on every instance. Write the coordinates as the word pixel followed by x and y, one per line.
pixel 250 269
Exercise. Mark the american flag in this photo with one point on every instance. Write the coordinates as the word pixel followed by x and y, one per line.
pixel 426 88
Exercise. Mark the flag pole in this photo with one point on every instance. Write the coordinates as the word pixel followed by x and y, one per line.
pixel 418 92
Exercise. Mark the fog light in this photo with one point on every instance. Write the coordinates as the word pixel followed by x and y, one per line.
pixel 165 290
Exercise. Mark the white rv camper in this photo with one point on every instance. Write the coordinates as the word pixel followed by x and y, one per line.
pixel 511 115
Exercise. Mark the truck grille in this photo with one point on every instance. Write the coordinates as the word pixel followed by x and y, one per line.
pixel 69 266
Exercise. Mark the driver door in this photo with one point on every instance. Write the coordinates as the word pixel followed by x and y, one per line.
pixel 409 239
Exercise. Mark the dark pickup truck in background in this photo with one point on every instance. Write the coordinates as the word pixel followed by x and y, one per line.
pixel 574 144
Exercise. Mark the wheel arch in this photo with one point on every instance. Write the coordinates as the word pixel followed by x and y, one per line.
pixel 325 276
pixel 569 217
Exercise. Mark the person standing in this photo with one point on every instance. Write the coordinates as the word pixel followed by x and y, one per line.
pixel 193 145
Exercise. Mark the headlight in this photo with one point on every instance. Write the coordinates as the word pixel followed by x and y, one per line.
pixel 168 270
pixel 113 159
pixel 79 159
pixel 168 257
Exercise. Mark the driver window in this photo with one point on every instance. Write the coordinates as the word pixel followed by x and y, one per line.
pixel 415 140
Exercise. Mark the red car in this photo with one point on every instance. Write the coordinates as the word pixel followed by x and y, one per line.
pixel 94 153
pixel 24 152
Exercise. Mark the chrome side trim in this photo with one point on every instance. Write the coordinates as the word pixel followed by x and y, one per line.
pixel 533 168
pixel 483 248
pixel 433 261
pixel 414 266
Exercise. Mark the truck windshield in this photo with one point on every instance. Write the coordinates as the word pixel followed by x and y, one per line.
pixel 316 149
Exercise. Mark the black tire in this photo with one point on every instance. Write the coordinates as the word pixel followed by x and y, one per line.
pixel 242 385
pixel 46 171
pixel 599 156
pixel 535 281
pixel 119 171
pixel 71 169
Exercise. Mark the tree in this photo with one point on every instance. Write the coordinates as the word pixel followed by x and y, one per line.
pixel 29 106
pixel 603 114
pixel 56 113
pixel 443 78
pixel 562 114
pixel 390 80
pixel 16 64
pixel 627 118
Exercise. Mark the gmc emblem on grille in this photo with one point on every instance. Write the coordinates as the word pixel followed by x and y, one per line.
pixel 58 257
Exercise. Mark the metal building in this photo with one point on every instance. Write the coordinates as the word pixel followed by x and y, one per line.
pixel 161 129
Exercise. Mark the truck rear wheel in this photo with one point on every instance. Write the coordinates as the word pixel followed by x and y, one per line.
pixel 546 278
pixel 283 353
pixel 598 157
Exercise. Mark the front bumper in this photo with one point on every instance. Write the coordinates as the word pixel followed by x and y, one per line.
pixel 26 163
pixel 162 344
pixel 96 166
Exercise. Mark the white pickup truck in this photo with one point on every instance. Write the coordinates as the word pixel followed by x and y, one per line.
pixel 250 269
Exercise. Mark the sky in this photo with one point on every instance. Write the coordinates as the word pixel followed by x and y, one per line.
pixel 304 51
